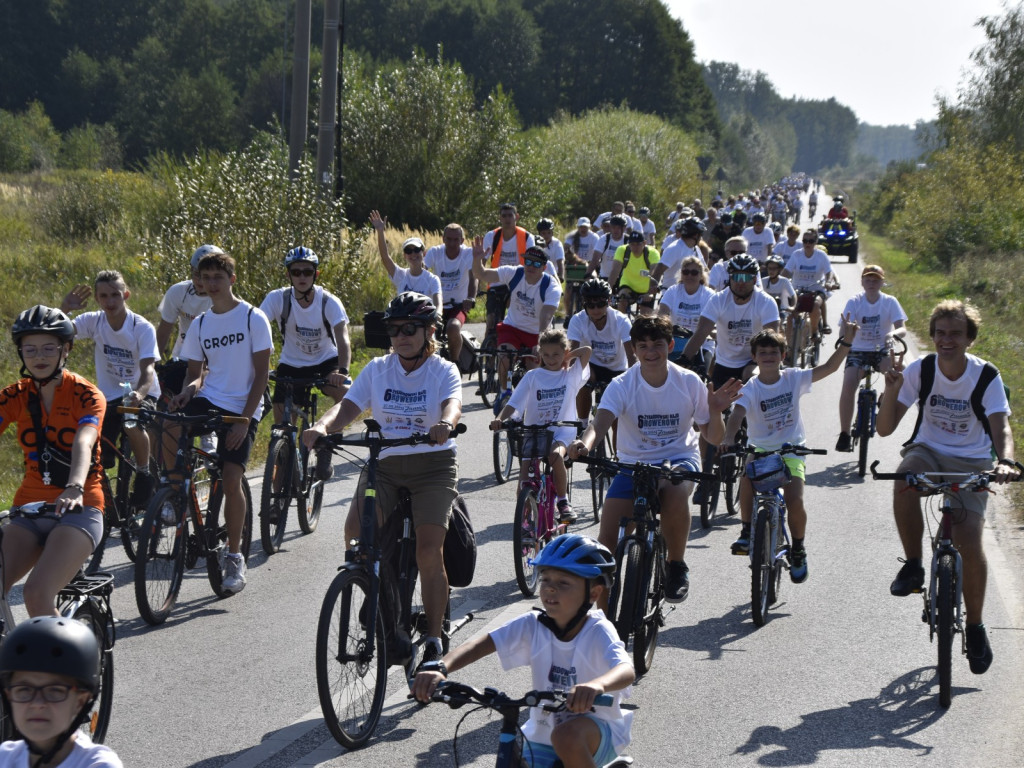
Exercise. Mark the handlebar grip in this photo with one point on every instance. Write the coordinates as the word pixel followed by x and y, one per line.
pixel 818 452
pixel 128 409
pixel 236 419
pixel 460 428
pixel 604 700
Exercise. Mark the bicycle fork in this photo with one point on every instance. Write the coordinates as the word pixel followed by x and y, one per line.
pixel 930 613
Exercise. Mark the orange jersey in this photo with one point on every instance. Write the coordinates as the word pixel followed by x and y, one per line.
pixel 76 403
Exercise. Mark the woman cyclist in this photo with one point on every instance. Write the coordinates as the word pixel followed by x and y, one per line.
pixel 50 669
pixel 58 416
pixel 410 390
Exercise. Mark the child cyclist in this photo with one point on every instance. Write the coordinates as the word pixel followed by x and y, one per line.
pixel 548 394
pixel 770 401
pixel 569 646
pixel 49 670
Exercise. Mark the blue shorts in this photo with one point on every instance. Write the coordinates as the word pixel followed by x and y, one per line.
pixel 543 755
pixel 622 485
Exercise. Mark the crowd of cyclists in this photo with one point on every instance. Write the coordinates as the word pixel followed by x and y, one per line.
pixel 669 345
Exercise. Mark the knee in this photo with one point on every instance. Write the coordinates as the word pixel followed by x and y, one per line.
pixel 40 597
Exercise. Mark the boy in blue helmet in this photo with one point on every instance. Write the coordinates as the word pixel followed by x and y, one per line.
pixel 570 646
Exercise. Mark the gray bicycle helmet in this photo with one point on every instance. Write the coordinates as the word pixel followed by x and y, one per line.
pixel 55 645
pixel 758 217
pixel 775 259
pixel 200 252
pixel 412 306
pixel 742 264
pixel 43 319
pixel 596 288
pixel 301 253
pixel 545 224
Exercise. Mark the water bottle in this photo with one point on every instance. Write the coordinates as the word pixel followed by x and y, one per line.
pixel 130 419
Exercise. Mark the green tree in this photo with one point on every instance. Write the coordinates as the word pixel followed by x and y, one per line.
pixel 994 94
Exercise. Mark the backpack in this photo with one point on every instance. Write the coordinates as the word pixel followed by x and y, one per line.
pixel 545 282
pixel 286 311
pixel 267 405
pixel 459 546
pixel 988 375
pixel 468 361
pixel 626 256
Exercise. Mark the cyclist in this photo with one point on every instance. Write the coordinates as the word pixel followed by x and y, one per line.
pixel 578 248
pixel 124 354
pixel 49 671
pixel 606 332
pixel 315 338
pixel 718 276
pixel 688 243
pixel 552 245
pixel 812 205
pixel 683 303
pixel 881 317
pixel 182 304
pixel 770 402
pixel 58 416
pixel 778 287
pixel 604 254
pixel 760 239
pixel 631 271
pixel 657 405
pixel 232 340
pixel 646 225
pixel 409 390
pixel 452 261
pixel 415 278
pixel 811 270
pixel 954 435
pixel 569 646
pixel 789 246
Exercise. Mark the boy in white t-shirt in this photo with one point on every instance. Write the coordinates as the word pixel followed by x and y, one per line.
pixel 125 352
pixel 415 278
pixel 570 646
pixel 182 304
pixel 770 402
pixel 548 394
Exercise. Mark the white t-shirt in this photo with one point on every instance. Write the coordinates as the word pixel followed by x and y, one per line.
pixel 759 245
pixel 181 304
pixel 808 271
pixel 544 396
pixel 785 250
pixel 672 257
pixel 655 423
pixel 773 410
pixel 686 308
pixel 306 341
pixel 406 403
pixel 649 229
pixel 876 320
pixel 118 353
pixel 608 343
pixel 782 290
pixel 718 277
pixel 738 323
pixel 227 341
pixel 84 754
pixel 609 246
pixel 554 250
pixel 558 666
pixel 426 282
pixel 526 300
pixel 509 248
pixel 632 225
pixel 453 273
pixel 949 425
pixel 585 248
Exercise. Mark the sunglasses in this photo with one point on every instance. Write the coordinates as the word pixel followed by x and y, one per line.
pixel 534 262
pixel 812 242
pixel 406 329
pixel 595 304
pixel 301 272
pixel 742 277
pixel 735 253
pixel 412 249
pixel 690 272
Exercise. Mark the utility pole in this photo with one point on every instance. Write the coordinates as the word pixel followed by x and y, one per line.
pixel 339 176
pixel 328 94
pixel 300 84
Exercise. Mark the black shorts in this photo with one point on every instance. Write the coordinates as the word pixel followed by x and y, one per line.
pixel 171 376
pixel 600 375
pixel 301 394
pixel 201 406
pixel 112 422
pixel 723 373
pixel 497 300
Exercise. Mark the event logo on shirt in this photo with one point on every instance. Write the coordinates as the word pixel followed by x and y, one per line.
pixel 872 320
pixel 116 352
pixel 784 400
pixel 548 395
pixel 743 324
pixel 405 398
pixel 509 258
pixel 526 301
pixel 561 679
pixel 227 340
pixel 684 307
pixel 657 420
pixel 954 406
pixel 308 333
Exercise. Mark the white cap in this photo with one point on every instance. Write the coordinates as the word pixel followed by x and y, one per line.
pixel 583 222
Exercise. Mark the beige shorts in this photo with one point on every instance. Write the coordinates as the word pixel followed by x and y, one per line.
pixel 431 477
pixel 918 457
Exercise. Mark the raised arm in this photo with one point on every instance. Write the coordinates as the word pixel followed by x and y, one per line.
pixel 480 271
pixel 380 223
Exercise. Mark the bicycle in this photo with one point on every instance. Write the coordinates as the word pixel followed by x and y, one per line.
pixel 535 522
pixel 769 539
pixel 726 470
pixel 85 599
pixel 487 355
pixel 378 588
pixel 943 598
pixel 605 449
pixel 501 447
pixel 287 474
pixel 513 751
pixel 805 343
pixel 636 603
pixel 867 406
pixel 190 494
pixel 575 276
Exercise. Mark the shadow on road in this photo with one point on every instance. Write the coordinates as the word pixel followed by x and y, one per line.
pixel 711 635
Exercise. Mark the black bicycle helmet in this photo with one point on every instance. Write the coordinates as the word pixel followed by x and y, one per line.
pixel 412 306
pixel 43 319
pixel 301 253
pixel 545 224
pixel 758 217
pixel 618 220
pixel 55 645
pixel 691 227
pixel 742 264
pixel 580 555
pixel 596 288
pixel 200 252
pixel 739 217
pixel 635 237
pixel 725 218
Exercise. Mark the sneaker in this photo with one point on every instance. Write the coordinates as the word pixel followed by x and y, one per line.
pixel 677 582
pixel 845 442
pixel 979 652
pixel 234 580
pixel 324 470
pixel 566 514
pixel 742 545
pixel 700 496
pixel 826 329
pixel 432 651
pixel 143 490
pixel 208 442
pixel 798 565
pixel 909 580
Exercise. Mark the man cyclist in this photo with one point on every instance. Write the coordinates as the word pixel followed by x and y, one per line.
pixel 631 272
pixel 646 225
pixel 604 254
pixel 452 262
pixel 760 239
pixel 810 270
pixel 579 246
pixel 182 304
pixel 688 243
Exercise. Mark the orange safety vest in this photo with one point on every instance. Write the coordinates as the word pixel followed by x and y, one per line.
pixel 497 239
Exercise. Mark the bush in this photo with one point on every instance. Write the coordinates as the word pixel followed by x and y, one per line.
pixel 94 147
pixel 113 207
pixel 28 141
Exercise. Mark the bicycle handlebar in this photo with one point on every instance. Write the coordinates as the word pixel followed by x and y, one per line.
pixel 456 695
pixel 938 482
pixel 793 450
pixel 300 381
pixel 675 476
pixel 207 419
pixel 340 440
pixel 517 426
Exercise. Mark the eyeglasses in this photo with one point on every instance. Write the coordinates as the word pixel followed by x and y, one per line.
pixel 735 253
pixel 53 693
pixel 47 350
pixel 742 277
pixel 690 272
pixel 534 262
pixel 595 304
pixel 812 242
pixel 301 272
pixel 412 249
pixel 406 329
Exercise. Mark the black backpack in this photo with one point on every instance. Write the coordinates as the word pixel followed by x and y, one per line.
pixel 460 546
pixel 988 375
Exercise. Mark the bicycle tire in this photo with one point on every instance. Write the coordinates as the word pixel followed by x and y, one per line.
pixel 216 536
pixel 99 718
pixel 709 506
pixel 798 340
pixel 632 601
pixel 487 373
pixel 645 642
pixel 501 453
pixel 310 503
pixel 276 495
pixel 762 559
pixel 945 607
pixel 865 408
pixel 350 683
pixel 526 541
pixel 130 518
pixel 599 482
pixel 160 565
pixel 775 582
pixel 731 469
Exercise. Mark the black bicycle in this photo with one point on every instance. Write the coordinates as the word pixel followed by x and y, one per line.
pixel 372 616
pixel 867 405
pixel 502 451
pixel 605 449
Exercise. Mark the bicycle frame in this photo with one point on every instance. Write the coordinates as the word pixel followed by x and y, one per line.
pixel 942 544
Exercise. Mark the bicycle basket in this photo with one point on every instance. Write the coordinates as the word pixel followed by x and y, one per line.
pixel 575 273
pixel 768 473
pixel 531 444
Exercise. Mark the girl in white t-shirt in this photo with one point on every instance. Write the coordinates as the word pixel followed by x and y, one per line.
pixel 416 278
pixel 683 303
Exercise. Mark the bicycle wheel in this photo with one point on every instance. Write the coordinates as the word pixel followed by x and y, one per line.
pixel 502 455
pixel 129 517
pixel 598 480
pixel 632 599
pixel 646 640
pixel 526 541
pixel 798 340
pixel 350 680
pixel 945 607
pixel 309 504
pixel 216 535
pixel 762 558
pixel 99 718
pixel 709 505
pixel 731 467
pixel 276 495
pixel 865 409
pixel 487 373
pixel 160 564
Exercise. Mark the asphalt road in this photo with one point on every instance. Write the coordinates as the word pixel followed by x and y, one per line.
pixel 842 674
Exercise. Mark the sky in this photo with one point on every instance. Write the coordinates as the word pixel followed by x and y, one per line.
pixel 885 59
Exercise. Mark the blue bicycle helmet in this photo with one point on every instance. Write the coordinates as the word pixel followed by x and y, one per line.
pixel 579 555
pixel 301 253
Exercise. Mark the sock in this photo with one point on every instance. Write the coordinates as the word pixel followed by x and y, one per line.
pixel 798 544
pixel 436 642
pixel 560 499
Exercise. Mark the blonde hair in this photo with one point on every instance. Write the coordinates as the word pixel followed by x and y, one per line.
pixel 694 261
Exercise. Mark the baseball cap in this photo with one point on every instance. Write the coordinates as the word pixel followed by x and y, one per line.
pixel 635 237
pixel 413 241
pixel 873 269
pixel 583 221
